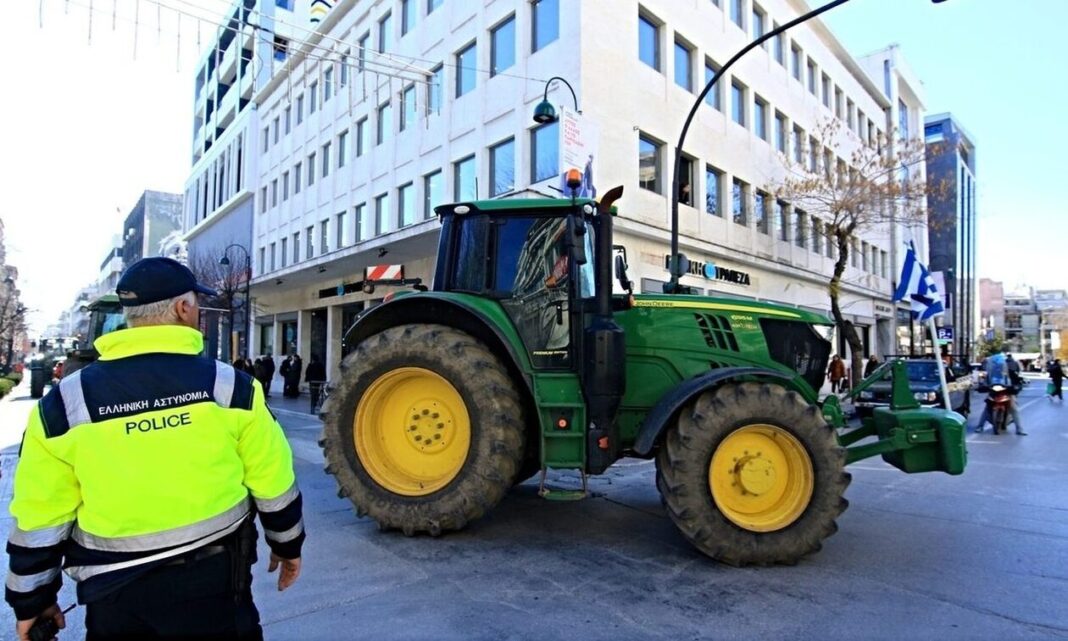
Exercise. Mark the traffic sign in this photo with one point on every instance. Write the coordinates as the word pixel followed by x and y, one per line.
pixel 945 333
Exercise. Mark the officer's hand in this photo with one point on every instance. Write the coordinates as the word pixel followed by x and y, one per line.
pixel 22 628
pixel 290 570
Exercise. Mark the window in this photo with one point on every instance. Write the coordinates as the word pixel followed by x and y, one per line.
pixel 502 46
pixel 849 115
pixel 778 47
pixel 263 259
pixel 266 139
pixel 828 164
pixel 853 252
pixel 433 90
pixel 381 213
pixel 362 226
pixel 313 97
pixel 296 247
pixel 311 169
pixel 686 181
pixel 328 83
pixel 361 137
pixel 882 264
pixel 463 185
pixel 812 77
pixel 263 200
pixel 309 239
pixel 502 167
pixel 363 46
pixel 838 103
pixel 285 186
pixel 407 115
pixel 343 81
pixel 738 13
pixel 739 200
pixel 825 83
pixel 406 202
pixel 385 33
pixel 430 6
pixel 738 102
pixel 545 152
pixel 285 248
pixel 829 238
pixel 780 132
pixel 648 164
pixel 799 228
pixel 712 98
pixel 760 118
pixel 713 185
pixel 342 148
pixel 324 237
pixel 817 233
pixel 385 123
pixel 758 24
pixel 280 47
pixel 407 17
pixel 300 108
pixel 864 257
pixel 288 118
pixel 648 42
pixel 782 219
pixel 903 120
pixel 297 177
pixel 683 66
pixel 813 155
pixel 799 145
pixel 760 211
pixel 339 230
pixel 274 192
pixel 545 27
pixel 325 164
pixel 433 192
pixel 795 61
pixel 274 129
pixel 465 69
pixel 273 265
pixel 284 4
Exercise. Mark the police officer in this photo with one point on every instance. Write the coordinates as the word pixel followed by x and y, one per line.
pixel 140 475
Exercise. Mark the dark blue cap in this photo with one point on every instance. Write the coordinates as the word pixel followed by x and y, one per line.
pixel 150 280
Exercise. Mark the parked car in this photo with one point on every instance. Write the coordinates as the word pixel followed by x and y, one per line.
pixel 926 388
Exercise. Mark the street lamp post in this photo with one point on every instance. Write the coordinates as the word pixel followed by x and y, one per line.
pixel 677 262
pixel 545 112
pixel 225 260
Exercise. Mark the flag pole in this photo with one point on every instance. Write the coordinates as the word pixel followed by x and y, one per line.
pixel 938 358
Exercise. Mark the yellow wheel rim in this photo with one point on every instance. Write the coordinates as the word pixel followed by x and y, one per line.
pixel 761 478
pixel 412 431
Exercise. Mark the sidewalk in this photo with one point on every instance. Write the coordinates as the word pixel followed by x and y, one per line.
pixel 299 405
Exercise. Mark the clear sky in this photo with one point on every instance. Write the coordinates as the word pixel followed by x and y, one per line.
pixel 88 127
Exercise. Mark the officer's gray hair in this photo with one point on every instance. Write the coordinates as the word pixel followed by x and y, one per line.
pixel 158 313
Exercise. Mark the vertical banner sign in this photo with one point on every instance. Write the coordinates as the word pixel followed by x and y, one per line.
pixel 578 150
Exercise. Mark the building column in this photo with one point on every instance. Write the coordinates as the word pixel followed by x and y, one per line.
pixel 334 329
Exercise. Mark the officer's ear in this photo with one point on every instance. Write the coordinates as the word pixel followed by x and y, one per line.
pixel 188 311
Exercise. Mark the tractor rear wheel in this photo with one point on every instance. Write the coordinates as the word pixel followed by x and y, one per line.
pixel 425 431
pixel 752 474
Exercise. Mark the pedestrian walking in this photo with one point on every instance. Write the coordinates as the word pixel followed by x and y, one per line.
pixel 871 365
pixel 836 371
pixel 290 372
pixel 1056 376
pixel 264 369
pixel 140 474
pixel 315 377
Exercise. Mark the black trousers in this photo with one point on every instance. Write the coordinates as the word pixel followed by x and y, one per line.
pixel 189 600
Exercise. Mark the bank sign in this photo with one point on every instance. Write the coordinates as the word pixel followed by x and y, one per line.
pixel 711 271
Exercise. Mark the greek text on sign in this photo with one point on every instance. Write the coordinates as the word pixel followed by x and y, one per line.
pixel 712 271
pixel 383 272
pixel 578 149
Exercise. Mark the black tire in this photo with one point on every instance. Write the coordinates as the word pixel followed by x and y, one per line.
pixel 496 424
pixel 683 466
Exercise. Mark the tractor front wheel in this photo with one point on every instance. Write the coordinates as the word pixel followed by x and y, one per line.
pixel 751 474
pixel 425 432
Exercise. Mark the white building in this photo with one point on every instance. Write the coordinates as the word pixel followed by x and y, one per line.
pixel 395 106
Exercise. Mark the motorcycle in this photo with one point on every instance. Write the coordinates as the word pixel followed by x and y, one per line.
pixel 997 403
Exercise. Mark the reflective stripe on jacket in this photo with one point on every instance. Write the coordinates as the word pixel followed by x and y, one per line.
pixel 148 453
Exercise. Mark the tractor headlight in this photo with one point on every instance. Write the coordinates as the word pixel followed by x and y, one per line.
pixel 925 396
pixel 866 395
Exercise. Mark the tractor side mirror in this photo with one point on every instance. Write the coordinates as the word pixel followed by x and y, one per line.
pixel 576 232
pixel 621 270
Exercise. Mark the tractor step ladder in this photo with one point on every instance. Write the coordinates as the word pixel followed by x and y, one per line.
pixel 558 494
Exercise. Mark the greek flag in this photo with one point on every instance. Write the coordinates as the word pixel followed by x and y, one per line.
pixel 916 286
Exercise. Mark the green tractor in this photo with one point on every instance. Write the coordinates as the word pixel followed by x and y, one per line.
pixel 105 316
pixel 521 359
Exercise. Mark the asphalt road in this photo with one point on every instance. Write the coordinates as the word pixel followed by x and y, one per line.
pixel 983 555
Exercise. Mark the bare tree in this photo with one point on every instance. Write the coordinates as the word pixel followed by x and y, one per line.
pixel 854 187
pixel 229 281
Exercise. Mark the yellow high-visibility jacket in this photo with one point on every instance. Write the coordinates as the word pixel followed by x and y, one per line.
pixel 149 453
